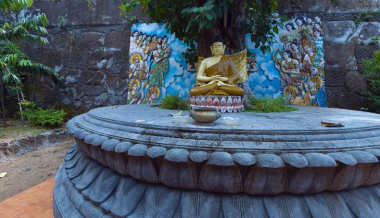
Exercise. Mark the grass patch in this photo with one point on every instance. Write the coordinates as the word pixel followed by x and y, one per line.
pixel 174 102
pixel 17 130
pixel 42 117
pixel 269 105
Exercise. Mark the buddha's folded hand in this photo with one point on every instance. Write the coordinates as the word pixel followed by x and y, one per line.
pixel 220 84
pixel 220 78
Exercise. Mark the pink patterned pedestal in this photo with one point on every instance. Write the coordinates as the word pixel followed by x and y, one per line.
pixel 223 104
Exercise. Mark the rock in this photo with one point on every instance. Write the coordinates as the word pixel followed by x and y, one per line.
pixel 342 98
pixel 341 7
pixel 340 56
pixel 305 5
pixel 356 82
pixel 90 40
pixel 335 76
pixel 338 31
pixel 365 32
pixel 116 39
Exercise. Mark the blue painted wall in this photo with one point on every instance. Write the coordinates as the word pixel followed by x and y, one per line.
pixel 158 67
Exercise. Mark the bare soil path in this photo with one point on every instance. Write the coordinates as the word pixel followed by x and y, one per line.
pixel 30 169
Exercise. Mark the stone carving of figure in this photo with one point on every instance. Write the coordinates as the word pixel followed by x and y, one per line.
pixel 290 33
pixel 308 59
pixel 318 60
pixel 160 63
pixel 139 39
pixel 315 81
pixel 134 96
pixel 290 65
pixel 291 93
pixel 301 29
pixel 218 75
pixel 301 62
pixel 135 66
pixel 153 94
pixel 296 53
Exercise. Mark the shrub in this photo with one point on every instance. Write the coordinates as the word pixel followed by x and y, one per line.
pixel 44 117
pixel 15 65
pixel 269 105
pixel 372 72
pixel 27 105
pixel 174 102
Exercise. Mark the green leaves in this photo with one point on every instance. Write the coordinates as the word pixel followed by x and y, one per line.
pixel 174 102
pixel 188 19
pixel 262 22
pixel 12 61
pixel 269 105
pixel 201 17
pixel 206 8
pixel 44 117
pixel 14 5
pixel 128 6
pixel 372 72
pixel 9 77
pixel 33 28
pixel 14 64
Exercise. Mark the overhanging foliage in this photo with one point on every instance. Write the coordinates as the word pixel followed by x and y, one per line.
pixel 14 5
pixel 192 20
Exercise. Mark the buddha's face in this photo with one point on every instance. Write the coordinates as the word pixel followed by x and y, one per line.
pixel 217 48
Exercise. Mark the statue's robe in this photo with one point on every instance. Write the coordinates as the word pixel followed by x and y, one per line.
pixel 225 68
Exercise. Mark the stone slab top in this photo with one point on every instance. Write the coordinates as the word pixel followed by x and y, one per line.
pixel 305 119
pixel 268 139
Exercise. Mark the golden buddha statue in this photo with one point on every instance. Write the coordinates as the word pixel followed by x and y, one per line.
pixel 219 74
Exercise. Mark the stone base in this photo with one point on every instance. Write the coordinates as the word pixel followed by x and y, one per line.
pixel 223 104
pixel 84 188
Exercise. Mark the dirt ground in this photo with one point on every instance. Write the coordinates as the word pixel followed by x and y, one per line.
pixel 30 169
pixel 12 129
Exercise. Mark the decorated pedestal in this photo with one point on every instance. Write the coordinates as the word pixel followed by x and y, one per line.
pixel 223 104
pixel 137 161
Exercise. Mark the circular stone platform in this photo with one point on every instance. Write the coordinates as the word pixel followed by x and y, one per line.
pixel 139 160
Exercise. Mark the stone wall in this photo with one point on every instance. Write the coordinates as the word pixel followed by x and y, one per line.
pixel 89 47
pixel 329 7
pixel 348 43
pixel 349 27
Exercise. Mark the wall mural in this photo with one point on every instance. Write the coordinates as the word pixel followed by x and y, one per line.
pixel 157 67
pixel 294 68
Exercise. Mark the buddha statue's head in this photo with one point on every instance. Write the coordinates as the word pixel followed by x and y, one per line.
pixel 217 47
